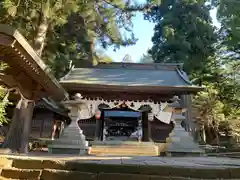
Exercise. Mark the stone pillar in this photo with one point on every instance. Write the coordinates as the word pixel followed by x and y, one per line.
pixel 181 143
pixel 72 140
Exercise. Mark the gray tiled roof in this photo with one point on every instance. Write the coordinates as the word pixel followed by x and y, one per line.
pixel 129 76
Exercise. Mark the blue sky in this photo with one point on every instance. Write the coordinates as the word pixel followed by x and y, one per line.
pixel 143 30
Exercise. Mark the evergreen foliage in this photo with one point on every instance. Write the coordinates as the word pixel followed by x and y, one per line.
pixel 146 58
pixel 4 102
pixel 184 33
pixel 64 33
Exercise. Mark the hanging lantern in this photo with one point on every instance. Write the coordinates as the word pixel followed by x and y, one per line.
pixel 150 116
pixel 98 115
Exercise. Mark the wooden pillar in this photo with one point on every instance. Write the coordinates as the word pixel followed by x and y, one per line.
pixel 27 118
pixel 145 135
pixel 101 127
pixel 17 137
pixel 149 131
pixel 98 128
pixel 41 127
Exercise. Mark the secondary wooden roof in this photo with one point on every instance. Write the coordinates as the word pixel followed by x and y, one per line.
pixel 26 69
pixel 129 77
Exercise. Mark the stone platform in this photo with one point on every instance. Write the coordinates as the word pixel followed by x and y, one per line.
pixel 132 168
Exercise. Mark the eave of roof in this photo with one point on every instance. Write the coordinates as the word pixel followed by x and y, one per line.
pixel 52 106
pixel 75 87
pixel 42 75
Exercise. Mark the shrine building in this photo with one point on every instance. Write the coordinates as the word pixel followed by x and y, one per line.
pixel 124 103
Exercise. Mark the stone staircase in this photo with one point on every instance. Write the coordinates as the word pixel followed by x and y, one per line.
pixel 38 169
pixel 124 148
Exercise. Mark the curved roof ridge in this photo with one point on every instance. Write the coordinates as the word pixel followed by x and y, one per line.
pixel 183 76
pixel 123 65
pixel 68 73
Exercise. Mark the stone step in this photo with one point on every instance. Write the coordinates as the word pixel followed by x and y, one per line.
pixel 129 145
pixel 106 153
pixel 121 154
pixel 3 178
pixel 124 147
pixel 119 151
pixel 14 173
pixel 51 174
pixel 117 143
pixel 124 150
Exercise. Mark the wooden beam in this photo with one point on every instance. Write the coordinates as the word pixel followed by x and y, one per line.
pixel 10 81
pixel 15 50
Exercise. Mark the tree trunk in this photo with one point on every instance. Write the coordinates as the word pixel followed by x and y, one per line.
pixel 39 40
pixel 17 137
pixel 90 52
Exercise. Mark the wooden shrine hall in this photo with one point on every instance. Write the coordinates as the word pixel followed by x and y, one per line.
pixel 121 104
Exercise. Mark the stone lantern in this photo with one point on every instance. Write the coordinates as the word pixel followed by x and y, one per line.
pixel 72 140
pixel 180 142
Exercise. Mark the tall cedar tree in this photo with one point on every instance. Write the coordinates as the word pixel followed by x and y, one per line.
pixel 183 34
pixel 43 23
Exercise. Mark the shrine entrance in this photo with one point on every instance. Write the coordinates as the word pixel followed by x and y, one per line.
pixel 121 124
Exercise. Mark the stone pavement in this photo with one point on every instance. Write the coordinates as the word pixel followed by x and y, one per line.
pixel 184 162
pixel 48 167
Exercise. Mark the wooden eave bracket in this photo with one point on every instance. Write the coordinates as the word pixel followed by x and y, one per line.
pixel 10 37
